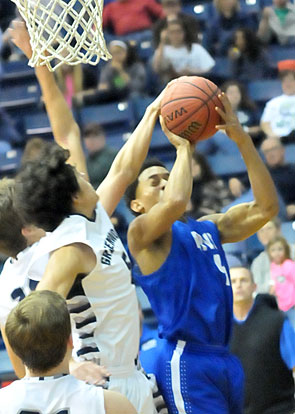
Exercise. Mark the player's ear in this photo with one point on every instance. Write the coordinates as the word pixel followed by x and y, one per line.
pixel 137 206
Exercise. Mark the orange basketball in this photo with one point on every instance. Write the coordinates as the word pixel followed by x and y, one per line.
pixel 188 108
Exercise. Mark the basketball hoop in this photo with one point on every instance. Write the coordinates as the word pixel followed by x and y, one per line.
pixel 64 31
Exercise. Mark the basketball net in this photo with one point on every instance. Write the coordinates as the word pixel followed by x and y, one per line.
pixel 64 31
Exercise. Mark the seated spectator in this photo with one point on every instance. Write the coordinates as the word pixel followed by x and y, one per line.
pixel 282 274
pixel 8 130
pixel 264 341
pixel 278 118
pixel 178 55
pixel 244 107
pixel 42 340
pixel 221 27
pixel 209 193
pixel 260 266
pixel 123 76
pixel 277 24
pixel 121 17
pixel 70 81
pixel 172 10
pixel 100 156
pixel 248 58
pixel 7 13
pixel 282 174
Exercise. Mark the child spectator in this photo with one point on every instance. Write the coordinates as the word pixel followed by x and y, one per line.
pixel 121 77
pixel 178 55
pixel 282 272
pixel 70 81
pixel 243 106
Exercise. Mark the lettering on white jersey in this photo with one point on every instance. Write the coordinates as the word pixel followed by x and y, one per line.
pixel 109 247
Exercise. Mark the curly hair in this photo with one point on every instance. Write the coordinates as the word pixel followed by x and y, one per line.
pixel 45 187
pixel 11 239
pixel 130 193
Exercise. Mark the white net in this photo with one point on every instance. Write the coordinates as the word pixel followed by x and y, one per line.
pixel 64 31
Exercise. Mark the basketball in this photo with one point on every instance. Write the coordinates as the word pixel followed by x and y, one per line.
pixel 188 108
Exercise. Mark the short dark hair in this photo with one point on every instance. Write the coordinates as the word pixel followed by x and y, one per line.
pixel 38 330
pixel 130 193
pixel 283 73
pixel 93 129
pixel 45 187
pixel 11 239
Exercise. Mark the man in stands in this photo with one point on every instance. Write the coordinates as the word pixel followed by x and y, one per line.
pixel 264 340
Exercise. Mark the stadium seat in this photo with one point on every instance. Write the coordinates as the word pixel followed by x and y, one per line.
pixel 278 52
pixel 227 165
pixel 10 161
pixel 16 72
pixel 263 90
pixel 20 95
pixel 117 117
pixel 290 153
pixel 288 231
pixel 221 71
pixel 37 124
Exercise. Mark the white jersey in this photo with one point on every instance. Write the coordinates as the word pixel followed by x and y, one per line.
pixel 51 395
pixel 103 304
pixel 280 113
pixel 18 278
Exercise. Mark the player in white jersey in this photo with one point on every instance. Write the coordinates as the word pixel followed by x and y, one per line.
pixel 64 192
pixel 18 240
pixel 39 331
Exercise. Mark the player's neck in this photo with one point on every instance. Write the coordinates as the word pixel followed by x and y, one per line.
pixel 62 368
pixel 241 309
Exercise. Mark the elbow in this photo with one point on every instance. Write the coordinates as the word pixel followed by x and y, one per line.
pixel 272 210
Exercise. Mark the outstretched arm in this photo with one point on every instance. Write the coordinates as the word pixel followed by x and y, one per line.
pixel 129 160
pixel 150 226
pixel 243 220
pixel 65 129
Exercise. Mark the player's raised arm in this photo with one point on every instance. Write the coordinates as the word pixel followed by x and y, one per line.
pixel 171 195
pixel 65 129
pixel 243 220
pixel 129 160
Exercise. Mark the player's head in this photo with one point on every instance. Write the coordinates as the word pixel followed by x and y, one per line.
pixel 278 250
pixel 48 190
pixel 38 330
pixel 269 231
pixel 147 189
pixel 242 284
pixel 12 240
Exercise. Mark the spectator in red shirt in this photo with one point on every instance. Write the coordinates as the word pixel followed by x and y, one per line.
pixel 126 16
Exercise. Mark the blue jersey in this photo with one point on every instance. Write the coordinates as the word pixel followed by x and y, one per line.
pixel 191 293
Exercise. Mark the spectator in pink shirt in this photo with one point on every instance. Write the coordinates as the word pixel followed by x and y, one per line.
pixel 282 273
pixel 126 16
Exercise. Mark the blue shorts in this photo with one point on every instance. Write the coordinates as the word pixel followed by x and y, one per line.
pixel 199 379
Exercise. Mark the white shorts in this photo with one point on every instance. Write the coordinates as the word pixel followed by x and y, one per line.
pixel 135 386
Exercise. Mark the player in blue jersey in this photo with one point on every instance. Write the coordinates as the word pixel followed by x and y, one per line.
pixel 182 268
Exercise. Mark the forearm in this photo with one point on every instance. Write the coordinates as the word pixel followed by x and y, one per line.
pixel 260 180
pixel 61 118
pixel 266 128
pixel 179 186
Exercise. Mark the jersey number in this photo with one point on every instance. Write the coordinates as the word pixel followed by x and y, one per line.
pixel 66 411
pixel 221 268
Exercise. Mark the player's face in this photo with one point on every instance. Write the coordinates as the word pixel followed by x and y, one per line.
pixel 267 233
pixel 242 284
pixel 86 196
pixel 151 185
pixel 277 252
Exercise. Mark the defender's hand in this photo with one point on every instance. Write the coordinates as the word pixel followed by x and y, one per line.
pixel 89 372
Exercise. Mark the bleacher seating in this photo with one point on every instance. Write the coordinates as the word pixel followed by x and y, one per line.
pixel 263 90
pixel 20 95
